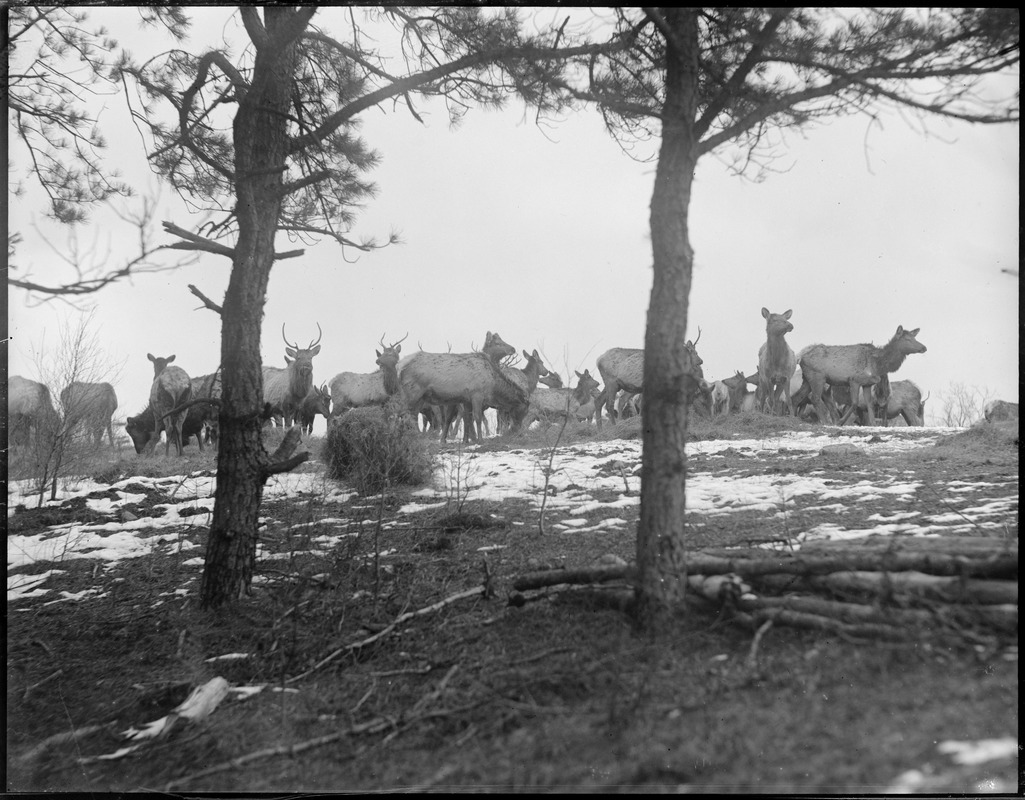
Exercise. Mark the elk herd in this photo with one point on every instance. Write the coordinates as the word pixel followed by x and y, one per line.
pixel 830 383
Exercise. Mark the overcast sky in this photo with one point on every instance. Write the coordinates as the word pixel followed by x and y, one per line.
pixel 542 235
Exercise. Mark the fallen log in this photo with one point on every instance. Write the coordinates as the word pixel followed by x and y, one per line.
pixel 910 586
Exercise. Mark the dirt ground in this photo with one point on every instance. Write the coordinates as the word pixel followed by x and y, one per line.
pixel 560 692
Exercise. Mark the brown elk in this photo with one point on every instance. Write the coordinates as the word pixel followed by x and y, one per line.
pixel 91 405
pixel 1000 410
pixel 30 410
pixel 171 388
pixel 318 401
pixel 776 361
pixel 857 365
pixel 359 389
pixel 551 404
pixel 622 368
pixel 286 389
pixel 475 379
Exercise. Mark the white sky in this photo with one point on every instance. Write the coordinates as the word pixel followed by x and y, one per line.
pixel 543 237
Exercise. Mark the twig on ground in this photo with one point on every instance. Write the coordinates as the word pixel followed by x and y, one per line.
pixel 752 656
pixel 477 590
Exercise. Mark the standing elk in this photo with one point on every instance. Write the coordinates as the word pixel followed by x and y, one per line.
pixel 318 401
pixel 547 405
pixel 91 405
pixel 622 368
pixel 171 388
pixel 30 410
pixel 776 361
pixel 1000 410
pixel 286 389
pixel 475 379
pixel 526 377
pixel 358 389
pixel 857 365
pixel 203 416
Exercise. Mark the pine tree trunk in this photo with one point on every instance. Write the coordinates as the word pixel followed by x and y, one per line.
pixel 662 575
pixel 261 140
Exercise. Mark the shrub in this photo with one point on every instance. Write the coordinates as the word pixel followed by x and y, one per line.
pixel 371 450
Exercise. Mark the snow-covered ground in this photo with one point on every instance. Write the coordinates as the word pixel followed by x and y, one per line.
pixel 587 484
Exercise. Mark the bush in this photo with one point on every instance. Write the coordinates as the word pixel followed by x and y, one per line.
pixel 371 450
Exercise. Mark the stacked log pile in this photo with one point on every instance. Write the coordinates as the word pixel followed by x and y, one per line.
pixel 885 587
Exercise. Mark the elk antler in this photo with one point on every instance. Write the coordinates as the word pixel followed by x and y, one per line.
pixel 400 341
pixel 320 334
pixel 293 346
pixel 699 337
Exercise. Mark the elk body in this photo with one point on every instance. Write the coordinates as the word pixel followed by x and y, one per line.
pixel 30 410
pixel 622 369
pixel 474 379
pixel 732 398
pixel 776 361
pixel 204 415
pixel 140 427
pixel 171 388
pixel 91 405
pixel 286 389
pixel 857 365
pixel 1000 410
pixel 549 405
pixel 357 389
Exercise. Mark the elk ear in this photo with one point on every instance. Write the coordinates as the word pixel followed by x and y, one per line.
pixel 900 330
pixel 914 332
pixel 765 312
pixel 378 353
pixel 398 349
pixel 314 351
pixel 578 373
pixel 150 357
pixel 170 358
pixel 291 351
pixel 787 313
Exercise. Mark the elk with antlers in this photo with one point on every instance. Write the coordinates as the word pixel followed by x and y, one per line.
pixel 286 389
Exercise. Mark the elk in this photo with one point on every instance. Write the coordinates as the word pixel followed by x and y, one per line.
pixel 622 368
pixel 286 389
pixel 511 419
pixel 553 380
pixel 736 394
pixel 628 405
pixel 1000 410
pixel 857 365
pixel 776 361
pixel 30 410
pixel 357 389
pixel 91 405
pixel 204 415
pixel 318 401
pixel 171 388
pixel 551 404
pixel 475 379
pixel 140 427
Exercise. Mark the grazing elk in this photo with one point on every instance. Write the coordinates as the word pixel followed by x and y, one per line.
pixel 358 389
pixel 553 380
pixel 318 401
pixel 91 405
pixel 30 410
pixel 857 365
pixel 776 361
pixel 286 389
pixel 1000 410
pixel 171 388
pixel 475 379
pixel 622 368
pixel 548 405
pixel 140 427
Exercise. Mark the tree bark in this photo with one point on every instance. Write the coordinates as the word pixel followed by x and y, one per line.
pixel 261 145
pixel 667 363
